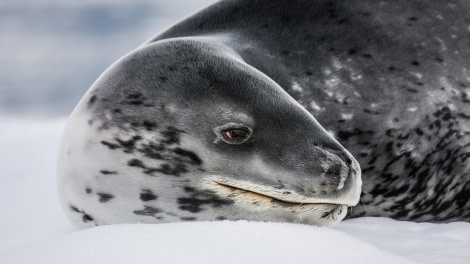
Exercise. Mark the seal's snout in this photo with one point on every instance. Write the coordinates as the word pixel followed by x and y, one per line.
pixel 346 167
pixel 341 175
pixel 336 169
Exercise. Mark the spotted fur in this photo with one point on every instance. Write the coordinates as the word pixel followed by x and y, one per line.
pixel 388 79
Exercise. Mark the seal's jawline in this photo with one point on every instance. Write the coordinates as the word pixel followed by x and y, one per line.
pixel 275 198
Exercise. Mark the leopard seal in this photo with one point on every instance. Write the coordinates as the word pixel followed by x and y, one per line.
pixel 263 110
pixel 184 129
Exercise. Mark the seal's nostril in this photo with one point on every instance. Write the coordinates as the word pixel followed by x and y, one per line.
pixel 334 169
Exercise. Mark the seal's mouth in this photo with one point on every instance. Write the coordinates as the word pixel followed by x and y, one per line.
pixel 270 203
pixel 281 197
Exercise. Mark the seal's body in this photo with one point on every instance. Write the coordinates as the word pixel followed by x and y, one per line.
pixel 200 123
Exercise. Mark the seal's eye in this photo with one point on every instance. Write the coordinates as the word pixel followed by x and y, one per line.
pixel 237 134
pixel 233 133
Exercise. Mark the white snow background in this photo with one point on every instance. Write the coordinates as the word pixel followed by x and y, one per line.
pixel 33 228
pixel 36 78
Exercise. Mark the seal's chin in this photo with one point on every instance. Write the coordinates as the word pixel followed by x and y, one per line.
pixel 320 213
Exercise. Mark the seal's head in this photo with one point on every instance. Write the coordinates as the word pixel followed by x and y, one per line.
pixel 184 129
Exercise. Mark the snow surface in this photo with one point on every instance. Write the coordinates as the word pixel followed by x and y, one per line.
pixel 33 228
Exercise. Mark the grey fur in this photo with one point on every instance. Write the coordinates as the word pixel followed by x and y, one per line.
pixel 389 79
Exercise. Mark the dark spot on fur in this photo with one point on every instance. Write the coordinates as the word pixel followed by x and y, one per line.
pixel 153 150
pixel 171 135
pixel 415 63
pixel 136 163
pixel 105 197
pixel 149 126
pixel 367 55
pixel 134 99
pixel 135 102
pixel 389 146
pixel 85 217
pixel 163 78
pixel 344 135
pixel 369 111
pixel 188 218
pixel 174 161
pixel 92 100
pixel 147 195
pixel 88 190
pixel 174 169
pixel 198 199
pixel 75 209
pixel 404 136
pixel 419 131
pixel 109 145
pixel 193 158
pixel 135 96
pixel 117 111
pixel 188 189
pixel 221 218
pixel 148 211
pixel 353 51
pixel 463 115
pixel 128 145
pixel 106 172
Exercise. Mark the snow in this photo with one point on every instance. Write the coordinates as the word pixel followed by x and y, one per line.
pixel 33 228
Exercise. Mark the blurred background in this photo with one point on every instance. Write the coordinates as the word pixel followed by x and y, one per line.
pixel 51 51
